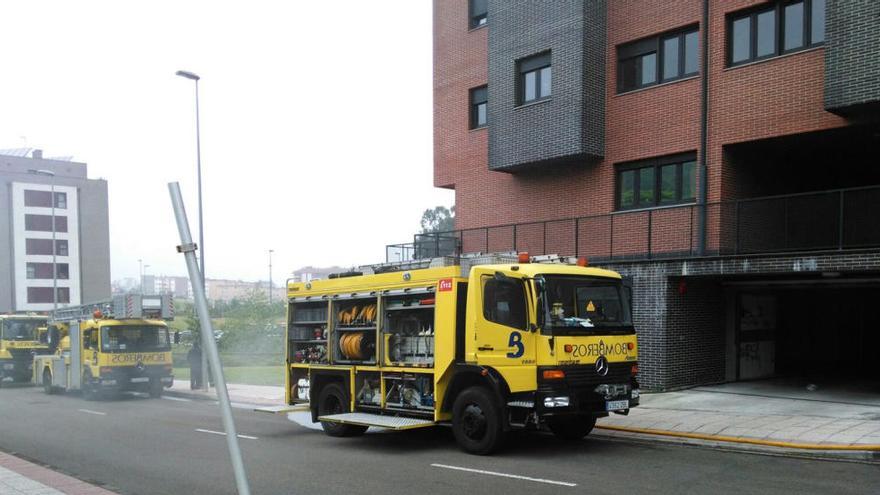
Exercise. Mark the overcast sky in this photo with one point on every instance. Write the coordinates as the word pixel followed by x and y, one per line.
pixel 316 122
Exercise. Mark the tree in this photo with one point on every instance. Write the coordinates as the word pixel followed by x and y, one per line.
pixel 438 219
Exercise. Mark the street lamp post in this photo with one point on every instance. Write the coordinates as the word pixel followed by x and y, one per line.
pixel 49 173
pixel 270 276
pixel 141 273
pixel 194 77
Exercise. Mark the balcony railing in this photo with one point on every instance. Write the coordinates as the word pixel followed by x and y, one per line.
pixel 842 219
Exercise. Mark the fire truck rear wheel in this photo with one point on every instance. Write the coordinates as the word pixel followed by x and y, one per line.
pixel 573 427
pixel 476 421
pixel 47 382
pixel 334 400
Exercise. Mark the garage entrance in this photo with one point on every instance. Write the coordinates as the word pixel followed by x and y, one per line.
pixel 817 332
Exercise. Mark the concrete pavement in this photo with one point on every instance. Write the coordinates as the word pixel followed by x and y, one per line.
pixel 770 416
pixel 20 477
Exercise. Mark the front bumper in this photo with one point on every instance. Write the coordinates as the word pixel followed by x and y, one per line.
pixel 134 379
pixel 585 392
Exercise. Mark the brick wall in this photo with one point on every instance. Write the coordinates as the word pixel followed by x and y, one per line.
pixel 852 63
pixel 774 97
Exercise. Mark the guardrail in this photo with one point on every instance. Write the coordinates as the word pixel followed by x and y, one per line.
pixel 841 219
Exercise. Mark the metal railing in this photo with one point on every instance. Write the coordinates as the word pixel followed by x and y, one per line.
pixel 840 219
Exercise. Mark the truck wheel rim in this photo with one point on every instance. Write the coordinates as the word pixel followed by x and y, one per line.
pixel 332 405
pixel 473 422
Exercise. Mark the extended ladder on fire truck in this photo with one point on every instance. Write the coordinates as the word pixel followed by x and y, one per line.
pixel 160 307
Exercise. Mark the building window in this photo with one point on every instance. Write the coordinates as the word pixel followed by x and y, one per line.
pixel 44 247
pixel 479 99
pixel 775 29
pixel 657 182
pixel 535 78
pixel 478 13
pixel 36 271
pixel 43 223
pixel 36 295
pixel 43 199
pixel 658 59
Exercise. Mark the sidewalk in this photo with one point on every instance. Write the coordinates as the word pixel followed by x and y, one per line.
pixel 758 416
pixel 20 477
pixel 246 394
pixel 767 416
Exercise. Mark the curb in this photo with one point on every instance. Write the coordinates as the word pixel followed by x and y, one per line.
pixel 867 452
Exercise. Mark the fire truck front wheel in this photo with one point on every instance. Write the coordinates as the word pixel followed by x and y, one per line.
pixel 155 388
pixel 333 400
pixel 573 427
pixel 476 421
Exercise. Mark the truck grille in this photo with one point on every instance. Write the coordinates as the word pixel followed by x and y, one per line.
pixel 586 376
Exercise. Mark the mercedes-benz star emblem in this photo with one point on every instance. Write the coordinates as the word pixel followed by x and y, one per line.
pixel 602 366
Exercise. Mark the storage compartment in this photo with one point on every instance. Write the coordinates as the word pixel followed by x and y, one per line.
pixel 307 332
pixel 368 390
pixel 408 330
pixel 354 330
pixel 409 391
pixel 299 385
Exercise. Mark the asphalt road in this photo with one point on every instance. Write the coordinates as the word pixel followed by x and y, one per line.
pixel 153 446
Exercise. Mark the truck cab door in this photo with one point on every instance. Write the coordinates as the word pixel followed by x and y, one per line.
pixel 502 323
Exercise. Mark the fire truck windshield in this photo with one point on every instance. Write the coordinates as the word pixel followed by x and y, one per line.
pixel 13 329
pixel 135 338
pixel 584 305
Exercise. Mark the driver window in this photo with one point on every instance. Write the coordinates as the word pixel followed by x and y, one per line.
pixel 87 339
pixel 504 302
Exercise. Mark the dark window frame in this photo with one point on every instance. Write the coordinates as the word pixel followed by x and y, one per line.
pixel 478 14
pixel 654 44
pixel 533 64
pixel 656 164
pixel 778 8
pixel 481 92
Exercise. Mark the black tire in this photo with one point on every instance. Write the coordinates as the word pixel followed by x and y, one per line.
pixel 89 389
pixel 334 400
pixel 47 382
pixel 571 428
pixel 156 388
pixel 477 422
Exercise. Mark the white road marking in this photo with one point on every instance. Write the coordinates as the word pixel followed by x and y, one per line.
pixel 179 399
pixel 504 475
pixel 96 413
pixel 223 433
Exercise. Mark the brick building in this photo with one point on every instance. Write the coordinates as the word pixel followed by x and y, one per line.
pixel 724 155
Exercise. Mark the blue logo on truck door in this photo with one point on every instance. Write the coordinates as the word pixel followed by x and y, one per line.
pixel 516 341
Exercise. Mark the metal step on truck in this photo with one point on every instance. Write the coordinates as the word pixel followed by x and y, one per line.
pixel 20 340
pixel 486 344
pixel 108 347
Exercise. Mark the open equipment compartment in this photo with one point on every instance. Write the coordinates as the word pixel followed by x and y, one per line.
pixel 408 327
pixel 367 390
pixel 307 332
pixel 353 332
pixel 299 384
pixel 409 392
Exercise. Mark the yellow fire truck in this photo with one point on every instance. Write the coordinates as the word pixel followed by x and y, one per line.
pixel 488 344
pixel 111 346
pixel 19 341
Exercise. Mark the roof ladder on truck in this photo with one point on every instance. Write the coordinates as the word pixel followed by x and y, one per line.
pixel 160 307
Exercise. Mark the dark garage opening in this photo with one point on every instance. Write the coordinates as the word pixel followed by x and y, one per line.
pixel 818 334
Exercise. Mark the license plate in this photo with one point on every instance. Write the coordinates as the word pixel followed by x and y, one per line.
pixel 140 380
pixel 616 405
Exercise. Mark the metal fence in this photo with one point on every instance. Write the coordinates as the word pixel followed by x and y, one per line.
pixel 839 219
